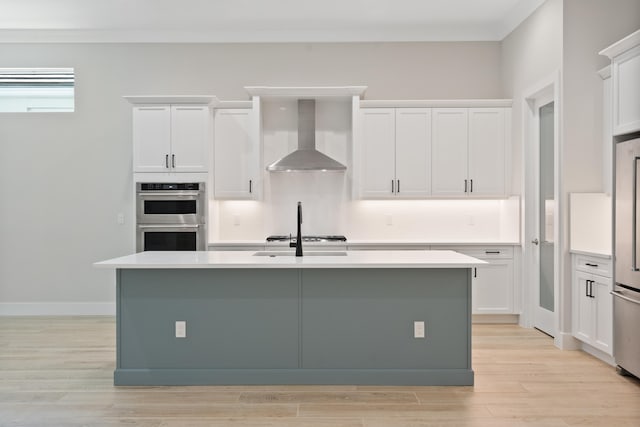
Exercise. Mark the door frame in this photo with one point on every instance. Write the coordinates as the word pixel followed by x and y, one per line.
pixel 546 88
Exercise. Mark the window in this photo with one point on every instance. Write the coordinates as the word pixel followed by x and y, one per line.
pixel 31 90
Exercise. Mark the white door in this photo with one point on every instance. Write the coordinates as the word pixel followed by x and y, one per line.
pixel 545 218
pixel 189 138
pixel 378 153
pixel 487 152
pixel 152 138
pixel 449 152
pixel 413 152
pixel 234 154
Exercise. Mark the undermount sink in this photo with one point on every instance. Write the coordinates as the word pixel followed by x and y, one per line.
pixel 292 254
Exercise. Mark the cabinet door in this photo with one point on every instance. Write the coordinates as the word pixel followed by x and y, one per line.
pixel 189 138
pixel 378 153
pixel 582 307
pixel 626 87
pixel 449 152
pixel 603 314
pixel 413 152
pixel 487 151
pixel 151 138
pixel 492 288
pixel 235 154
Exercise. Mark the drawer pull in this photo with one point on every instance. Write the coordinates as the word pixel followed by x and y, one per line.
pixel 591 265
pixel 492 252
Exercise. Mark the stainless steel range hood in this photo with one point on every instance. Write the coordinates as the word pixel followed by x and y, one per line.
pixel 306 158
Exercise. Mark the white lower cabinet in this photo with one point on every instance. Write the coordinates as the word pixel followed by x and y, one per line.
pixel 592 318
pixel 493 285
pixel 492 288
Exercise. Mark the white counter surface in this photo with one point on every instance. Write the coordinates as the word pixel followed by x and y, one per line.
pixel 216 244
pixel 246 259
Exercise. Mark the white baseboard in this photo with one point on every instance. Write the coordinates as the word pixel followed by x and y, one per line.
pixel 606 358
pixel 58 309
pixel 566 341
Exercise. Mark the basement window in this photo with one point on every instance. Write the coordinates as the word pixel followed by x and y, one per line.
pixel 36 90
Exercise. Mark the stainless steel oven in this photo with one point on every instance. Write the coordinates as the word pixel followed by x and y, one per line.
pixel 171 216
pixel 170 203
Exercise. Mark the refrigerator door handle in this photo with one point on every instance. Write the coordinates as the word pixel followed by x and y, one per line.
pixel 624 297
pixel 634 225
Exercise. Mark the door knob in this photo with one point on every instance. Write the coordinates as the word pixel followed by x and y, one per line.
pixel 535 241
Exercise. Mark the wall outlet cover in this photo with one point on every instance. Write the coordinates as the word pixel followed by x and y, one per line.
pixel 181 329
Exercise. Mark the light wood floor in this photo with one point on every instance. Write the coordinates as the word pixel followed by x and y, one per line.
pixel 58 372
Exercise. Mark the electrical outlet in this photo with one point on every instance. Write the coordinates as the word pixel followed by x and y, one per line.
pixel 389 219
pixel 236 219
pixel 418 329
pixel 181 329
pixel 120 218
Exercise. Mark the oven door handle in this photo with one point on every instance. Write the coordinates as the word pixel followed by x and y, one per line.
pixel 169 226
pixel 164 194
pixel 626 298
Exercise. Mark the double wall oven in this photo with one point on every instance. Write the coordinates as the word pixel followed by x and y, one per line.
pixel 171 216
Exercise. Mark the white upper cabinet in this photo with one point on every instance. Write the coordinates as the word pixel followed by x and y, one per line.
pixel 625 73
pixel 151 138
pixel 487 151
pixel 413 152
pixel 469 151
pixel 450 152
pixel 396 148
pixel 378 152
pixel 236 155
pixel 171 138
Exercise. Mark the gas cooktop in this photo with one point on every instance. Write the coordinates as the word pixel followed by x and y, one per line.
pixel 308 238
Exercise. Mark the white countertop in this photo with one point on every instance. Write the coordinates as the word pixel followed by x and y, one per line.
pixel 246 259
pixel 357 243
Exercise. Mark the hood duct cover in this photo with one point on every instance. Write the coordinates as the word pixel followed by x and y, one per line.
pixel 306 158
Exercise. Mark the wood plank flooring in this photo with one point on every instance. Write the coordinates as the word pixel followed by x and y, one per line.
pixel 58 371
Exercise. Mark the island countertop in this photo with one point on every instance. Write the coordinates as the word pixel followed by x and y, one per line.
pixel 248 259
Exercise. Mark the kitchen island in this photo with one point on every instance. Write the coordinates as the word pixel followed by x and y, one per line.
pixel 333 318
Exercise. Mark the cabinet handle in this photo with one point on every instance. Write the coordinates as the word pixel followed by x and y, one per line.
pixel 586 288
pixel 173 160
pixel 591 289
pixel 492 252
pixel 475 272
pixel 151 108
pixel 471 186
pixel 250 186
pixel 465 185
pixel 189 108
pixel 398 186
pixel 591 265
pixel 166 161
pixel 392 186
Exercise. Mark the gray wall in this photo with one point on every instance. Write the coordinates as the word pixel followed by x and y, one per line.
pixel 65 177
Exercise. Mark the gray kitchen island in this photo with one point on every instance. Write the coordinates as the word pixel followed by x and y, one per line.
pixel 344 318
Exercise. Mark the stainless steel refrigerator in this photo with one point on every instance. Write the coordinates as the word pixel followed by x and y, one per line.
pixel 626 292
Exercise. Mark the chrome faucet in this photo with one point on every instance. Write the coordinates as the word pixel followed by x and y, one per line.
pixel 298 243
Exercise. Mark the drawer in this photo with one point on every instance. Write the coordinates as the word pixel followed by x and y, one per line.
pixel 486 252
pixel 592 264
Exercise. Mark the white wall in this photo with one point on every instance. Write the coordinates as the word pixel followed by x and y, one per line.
pixel 65 177
pixel 588 27
pixel 566 35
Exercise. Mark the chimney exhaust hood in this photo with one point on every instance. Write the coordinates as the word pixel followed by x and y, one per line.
pixel 306 158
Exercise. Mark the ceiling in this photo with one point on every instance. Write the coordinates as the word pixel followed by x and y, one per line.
pixel 260 20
